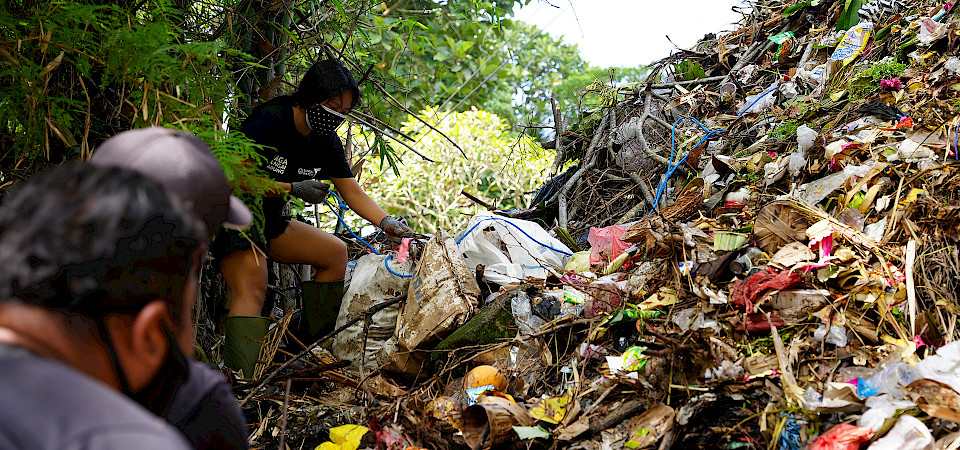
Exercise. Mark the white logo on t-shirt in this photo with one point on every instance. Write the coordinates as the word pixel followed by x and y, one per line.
pixel 278 164
pixel 306 172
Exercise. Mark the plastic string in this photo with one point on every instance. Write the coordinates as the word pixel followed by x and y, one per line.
pixel 344 205
pixel 956 137
pixel 515 226
pixel 391 270
pixel 671 168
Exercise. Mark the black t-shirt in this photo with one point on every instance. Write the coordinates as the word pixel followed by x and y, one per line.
pixel 292 156
pixel 47 405
pixel 206 411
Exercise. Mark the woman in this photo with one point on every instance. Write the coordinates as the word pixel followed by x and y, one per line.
pixel 299 133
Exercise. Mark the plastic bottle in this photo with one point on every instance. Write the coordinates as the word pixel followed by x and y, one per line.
pixel 798 159
pixel 523 314
pixel 892 379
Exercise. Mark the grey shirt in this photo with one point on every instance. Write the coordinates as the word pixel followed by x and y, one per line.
pixel 47 405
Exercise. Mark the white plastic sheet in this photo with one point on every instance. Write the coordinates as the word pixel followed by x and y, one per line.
pixel 817 190
pixel 908 434
pixel 529 251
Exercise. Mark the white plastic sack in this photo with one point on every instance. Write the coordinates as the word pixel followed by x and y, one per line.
pixel 908 434
pixel 928 37
pixel 524 257
pixel 944 366
pixel 952 65
pixel 879 409
pixel 836 335
pixel 371 284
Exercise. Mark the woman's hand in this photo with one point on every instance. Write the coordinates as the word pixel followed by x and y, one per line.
pixel 395 228
pixel 312 191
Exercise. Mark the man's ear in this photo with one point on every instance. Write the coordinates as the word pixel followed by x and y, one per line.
pixel 148 343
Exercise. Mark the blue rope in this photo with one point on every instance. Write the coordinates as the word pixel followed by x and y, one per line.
pixel 671 168
pixel 334 211
pixel 391 270
pixel 344 205
pixel 515 226
pixel 764 94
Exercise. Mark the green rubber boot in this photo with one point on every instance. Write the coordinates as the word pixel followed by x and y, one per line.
pixel 241 349
pixel 321 306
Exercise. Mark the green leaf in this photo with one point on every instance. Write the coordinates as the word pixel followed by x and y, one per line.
pixel 792 9
pixel 687 70
pixel 849 18
pixel 531 432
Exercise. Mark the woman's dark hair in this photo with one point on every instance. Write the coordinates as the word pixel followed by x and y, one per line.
pixel 89 240
pixel 326 79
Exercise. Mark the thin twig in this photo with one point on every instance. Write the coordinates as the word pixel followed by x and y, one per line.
pixel 283 422
pixel 686 83
pixel 644 145
pixel 395 139
pixel 372 310
pixel 418 118
pixel 586 163
pixel 558 131
pixel 477 200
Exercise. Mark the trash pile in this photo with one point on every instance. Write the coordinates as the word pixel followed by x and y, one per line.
pixel 757 248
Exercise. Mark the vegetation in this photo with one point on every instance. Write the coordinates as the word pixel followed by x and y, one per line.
pixel 74 72
pixel 500 167
pixel 864 83
pixel 787 130
pixel 886 68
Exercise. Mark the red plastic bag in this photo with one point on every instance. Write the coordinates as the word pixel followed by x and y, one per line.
pixel 842 437
pixel 605 242
pixel 747 291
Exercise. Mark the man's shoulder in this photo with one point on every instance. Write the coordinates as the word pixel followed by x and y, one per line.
pixel 46 404
pixel 202 384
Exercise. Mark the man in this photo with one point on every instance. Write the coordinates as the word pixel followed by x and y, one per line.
pixel 204 407
pixel 97 287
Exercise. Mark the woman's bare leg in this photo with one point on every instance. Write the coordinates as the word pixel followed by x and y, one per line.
pixel 305 244
pixel 245 273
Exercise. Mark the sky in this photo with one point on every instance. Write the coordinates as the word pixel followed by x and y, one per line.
pixel 629 33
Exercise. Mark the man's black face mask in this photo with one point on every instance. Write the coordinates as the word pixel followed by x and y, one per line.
pixel 322 120
pixel 158 394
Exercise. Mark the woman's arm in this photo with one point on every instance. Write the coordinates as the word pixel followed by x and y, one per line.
pixel 358 200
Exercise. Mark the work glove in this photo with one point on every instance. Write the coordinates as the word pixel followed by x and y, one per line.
pixel 395 228
pixel 312 191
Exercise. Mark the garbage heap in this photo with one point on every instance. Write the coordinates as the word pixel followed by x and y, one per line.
pixel 756 248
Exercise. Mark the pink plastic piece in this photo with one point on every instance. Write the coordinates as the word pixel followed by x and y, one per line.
pixel 606 242
pixel 404 251
pixel 605 295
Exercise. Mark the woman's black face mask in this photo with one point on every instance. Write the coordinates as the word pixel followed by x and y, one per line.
pixel 322 120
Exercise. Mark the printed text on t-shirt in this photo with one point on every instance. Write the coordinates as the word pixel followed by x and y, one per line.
pixel 278 164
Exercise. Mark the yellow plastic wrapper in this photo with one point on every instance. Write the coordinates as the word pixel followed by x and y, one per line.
pixel 344 437
pixel 853 43
pixel 579 262
pixel 550 410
